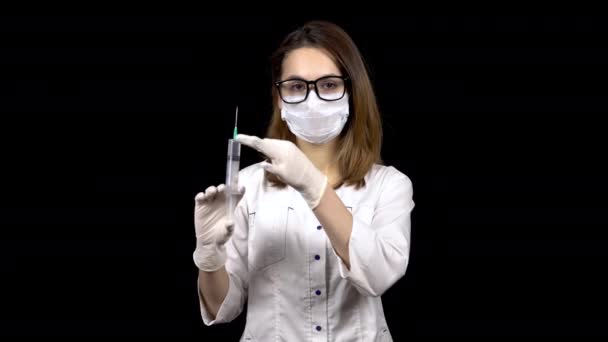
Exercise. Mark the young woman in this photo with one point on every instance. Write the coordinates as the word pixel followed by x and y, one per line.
pixel 322 228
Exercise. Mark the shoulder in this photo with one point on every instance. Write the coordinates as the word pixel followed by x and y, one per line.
pixel 252 172
pixel 387 176
pixel 390 187
pixel 252 176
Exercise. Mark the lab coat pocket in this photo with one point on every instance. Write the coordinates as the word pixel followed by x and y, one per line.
pixel 268 228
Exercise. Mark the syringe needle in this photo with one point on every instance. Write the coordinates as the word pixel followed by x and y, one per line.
pixel 236 119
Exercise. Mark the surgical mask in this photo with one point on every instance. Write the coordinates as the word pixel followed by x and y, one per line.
pixel 314 120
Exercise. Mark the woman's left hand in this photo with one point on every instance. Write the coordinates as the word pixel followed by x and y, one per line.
pixel 291 165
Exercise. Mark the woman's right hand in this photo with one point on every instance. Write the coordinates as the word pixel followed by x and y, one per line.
pixel 212 227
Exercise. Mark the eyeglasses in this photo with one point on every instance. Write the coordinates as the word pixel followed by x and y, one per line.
pixel 328 88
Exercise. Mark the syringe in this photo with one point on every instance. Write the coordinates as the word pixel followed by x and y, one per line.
pixel 232 170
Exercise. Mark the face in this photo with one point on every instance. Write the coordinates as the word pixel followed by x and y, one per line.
pixel 308 64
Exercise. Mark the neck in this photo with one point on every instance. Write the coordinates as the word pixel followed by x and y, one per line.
pixel 322 156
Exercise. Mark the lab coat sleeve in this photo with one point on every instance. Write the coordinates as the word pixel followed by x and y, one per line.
pixel 236 267
pixel 379 248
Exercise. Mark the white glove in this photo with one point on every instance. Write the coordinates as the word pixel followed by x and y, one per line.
pixel 291 165
pixel 212 227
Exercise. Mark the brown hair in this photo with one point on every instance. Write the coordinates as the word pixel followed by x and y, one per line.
pixel 360 141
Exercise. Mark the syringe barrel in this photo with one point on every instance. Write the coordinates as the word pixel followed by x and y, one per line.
pixel 232 173
pixel 232 166
pixel 234 150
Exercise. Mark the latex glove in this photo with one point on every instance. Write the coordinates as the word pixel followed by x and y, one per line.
pixel 213 229
pixel 291 165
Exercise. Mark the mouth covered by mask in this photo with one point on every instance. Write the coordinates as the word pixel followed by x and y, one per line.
pixel 314 120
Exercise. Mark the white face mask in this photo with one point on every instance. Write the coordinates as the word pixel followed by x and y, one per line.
pixel 314 120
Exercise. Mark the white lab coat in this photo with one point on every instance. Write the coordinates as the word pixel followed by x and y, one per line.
pixel 297 288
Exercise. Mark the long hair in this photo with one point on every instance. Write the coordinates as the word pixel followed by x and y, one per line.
pixel 360 141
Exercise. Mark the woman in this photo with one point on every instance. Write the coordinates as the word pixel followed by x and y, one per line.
pixel 321 230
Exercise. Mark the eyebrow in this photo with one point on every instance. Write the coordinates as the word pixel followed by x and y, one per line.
pixel 294 76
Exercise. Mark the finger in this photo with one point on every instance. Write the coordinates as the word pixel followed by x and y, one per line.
pixel 251 141
pixel 239 191
pixel 200 197
pixel 211 192
pixel 269 167
pixel 228 229
pixel 239 195
pixel 221 188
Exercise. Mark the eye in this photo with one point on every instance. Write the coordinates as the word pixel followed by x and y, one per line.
pixel 296 87
pixel 328 85
pixel 331 84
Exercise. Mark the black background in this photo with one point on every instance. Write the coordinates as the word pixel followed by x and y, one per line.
pixel 111 124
